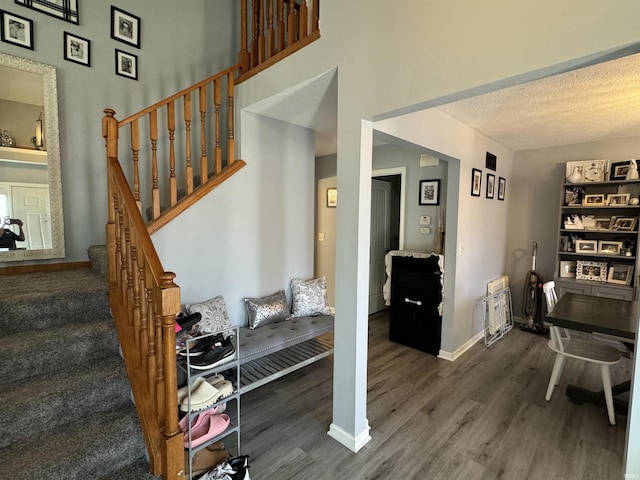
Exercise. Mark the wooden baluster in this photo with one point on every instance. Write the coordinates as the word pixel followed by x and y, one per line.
pixel 304 19
pixel 153 136
pixel 231 147
pixel 315 16
pixel 280 27
pixel 243 57
pixel 291 22
pixel 204 164
pixel 255 12
pixel 138 321
pixel 171 125
pixel 261 37
pixel 217 100
pixel 271 36
pixel 142 292
pixel 151 327
pixel 187 133
pixel 135 149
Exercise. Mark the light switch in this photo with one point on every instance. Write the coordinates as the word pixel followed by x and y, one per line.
pixel 321 237
pixel 425 220
pixel 425 230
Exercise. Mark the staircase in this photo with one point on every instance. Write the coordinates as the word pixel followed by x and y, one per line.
pixel 65 407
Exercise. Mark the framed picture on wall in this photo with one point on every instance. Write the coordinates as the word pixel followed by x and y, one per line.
pixel 125 27
pixel 66 10
pixel 126 65
pixel 429 193
pixel 332 197
pixel 476 182
pixel 491 185
pixel 77 49
pixel 502 187
pixel 16 30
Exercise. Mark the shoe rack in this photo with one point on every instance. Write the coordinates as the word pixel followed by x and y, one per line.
pixel 230 367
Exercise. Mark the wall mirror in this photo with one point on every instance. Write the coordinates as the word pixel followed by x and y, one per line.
pixel 30 181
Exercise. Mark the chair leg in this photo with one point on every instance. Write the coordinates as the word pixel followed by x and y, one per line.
pixel 608 395
pixel 558 365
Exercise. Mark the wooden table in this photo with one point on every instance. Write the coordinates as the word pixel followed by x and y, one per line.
pixel 610 316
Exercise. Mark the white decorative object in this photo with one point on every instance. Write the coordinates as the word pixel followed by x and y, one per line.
pixel 632 173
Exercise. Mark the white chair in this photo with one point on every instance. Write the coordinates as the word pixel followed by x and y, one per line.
pixel 585 350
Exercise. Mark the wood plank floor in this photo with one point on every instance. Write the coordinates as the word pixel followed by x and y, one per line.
pixel 481 417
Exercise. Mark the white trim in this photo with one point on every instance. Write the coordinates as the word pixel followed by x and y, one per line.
pixel 453 356
pixel 402 171
pixel 353 443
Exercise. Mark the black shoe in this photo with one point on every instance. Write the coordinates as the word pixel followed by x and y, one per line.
pixel 217 354
pixel 188 321
pixel 197 348
pixel 239 462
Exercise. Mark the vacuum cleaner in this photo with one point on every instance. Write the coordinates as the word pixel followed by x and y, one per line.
pixel 532 299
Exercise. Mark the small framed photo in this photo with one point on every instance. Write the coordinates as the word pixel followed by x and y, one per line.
pixel 429 192
pixel 332 197
pixel 597 200
pixel 125 27
pixel 476 182
pixel 126 64
pixel 609 248
pixel 602 223
pixel 502 187
pixel 620 273
pixel 618 199
pixel 586 246
pixel 77 49
pixel 568 269
pixel 591 271
pixel 491 185
pixel 623 223
pixel 16 30
pixel 619 170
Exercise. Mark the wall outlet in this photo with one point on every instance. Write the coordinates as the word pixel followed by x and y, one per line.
pixel 425 230
pixel 425 220
pixel 321 237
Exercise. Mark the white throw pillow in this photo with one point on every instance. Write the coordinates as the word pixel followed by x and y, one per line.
pixel 214 314
pixel 309 297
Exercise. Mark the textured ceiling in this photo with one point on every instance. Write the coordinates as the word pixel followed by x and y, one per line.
pixel 590 104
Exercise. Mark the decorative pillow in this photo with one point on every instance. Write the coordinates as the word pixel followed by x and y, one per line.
pixel 214 314
pixel 270 309
pixel 309 297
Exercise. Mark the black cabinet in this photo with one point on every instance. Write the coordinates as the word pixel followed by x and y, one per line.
pixel 416 293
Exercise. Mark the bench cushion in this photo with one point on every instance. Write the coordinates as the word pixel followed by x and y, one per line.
pixel 277 336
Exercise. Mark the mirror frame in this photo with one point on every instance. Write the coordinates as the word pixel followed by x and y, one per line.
pixel 52 136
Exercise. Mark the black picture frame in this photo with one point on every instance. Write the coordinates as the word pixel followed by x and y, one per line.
pixel 125 27
pixel 77 49
pixel 491 162
pixel 476 182
pixel 502 187
pixel 66 10
pixel 126 64
pixel 619 170
pixel 16 30
pixel 429 192
pixel 491 186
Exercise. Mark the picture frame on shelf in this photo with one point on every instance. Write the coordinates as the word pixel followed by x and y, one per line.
pixel 619 170
pixel 602 223
pixel 429 192
pixel 77 49
pixel 125 27
pixel 596 200
pixel 596 271
pixel 476 182
pixel 608 247
pixel 332 197
pixel 126 64
pixel 491 185
pixel 588 171
pixel 618 199
pixel 16 30
pixel 620 273
pixel 66 10
pixel 568 269
pixel 623 223
pixel 564 243
pixel 586 246
pixel 502 188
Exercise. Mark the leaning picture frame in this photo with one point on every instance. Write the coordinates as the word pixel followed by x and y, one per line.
pixel 125 27
pixel 16 30
pixel 596 271
pixel 620 273
pixel 476 182
pixel 618 199
pixel 586 246
pixel 597 200
pixel 608 247
pixel 66 10
pixel 77 49
pixel 623 223
pixel 568 269
pixel 429 192
pixel 619 170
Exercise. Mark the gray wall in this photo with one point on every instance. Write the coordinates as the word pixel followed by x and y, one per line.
pixel 181 43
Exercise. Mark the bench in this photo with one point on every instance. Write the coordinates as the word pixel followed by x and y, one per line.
pixel 271 351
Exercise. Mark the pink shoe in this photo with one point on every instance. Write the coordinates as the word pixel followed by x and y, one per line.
pixel 211 426
pixel 198 419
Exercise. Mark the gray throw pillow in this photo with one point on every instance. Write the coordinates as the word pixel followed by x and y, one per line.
pixel 214 314
pixel 269 309
pixel 309 297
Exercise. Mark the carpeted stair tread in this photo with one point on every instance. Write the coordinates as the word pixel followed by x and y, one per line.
pixel 45 351
pixel 135 471
pixel 89 447
pixel 51 400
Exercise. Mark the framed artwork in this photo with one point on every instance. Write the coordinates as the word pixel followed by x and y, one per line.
pixel 66 10
pixel 586 246
pixel 591 271
pixel 597 200
pixel 620 273
pixel 568 269
pixel 126 64
pixel 491 161
pixel 618 199
pixel 332 197
pixel 619 170
pixel 16 30
pixel 602 223
pixel 125 27
pixel 77 49
pixel 429 192
pixel 609 248
pixel 491 185
pixel 586 171
pixel 623 223
pixel 476 182
pixel 564 243
pixel 502 187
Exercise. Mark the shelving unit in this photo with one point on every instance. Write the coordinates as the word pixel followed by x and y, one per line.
pixel 608 236
pixel 233 364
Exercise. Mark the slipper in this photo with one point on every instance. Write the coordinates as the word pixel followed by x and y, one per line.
pixel 183 392
pixel 211 427
pixel 206 395
pixel 198 419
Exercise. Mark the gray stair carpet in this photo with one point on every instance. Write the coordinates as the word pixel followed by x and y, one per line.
pixel 65 404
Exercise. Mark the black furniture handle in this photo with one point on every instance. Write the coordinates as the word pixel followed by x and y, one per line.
pixel 415 302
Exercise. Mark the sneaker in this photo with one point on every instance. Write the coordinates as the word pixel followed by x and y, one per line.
pixel 218 353
pixel 197 348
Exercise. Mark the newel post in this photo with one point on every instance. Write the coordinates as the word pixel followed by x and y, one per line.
pixel 110 132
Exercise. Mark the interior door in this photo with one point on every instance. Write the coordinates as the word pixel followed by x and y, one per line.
pixel 380 241
pixel 31 205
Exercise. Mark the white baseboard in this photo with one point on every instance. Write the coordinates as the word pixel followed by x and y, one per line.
pixel 453 356
pixel 353 443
